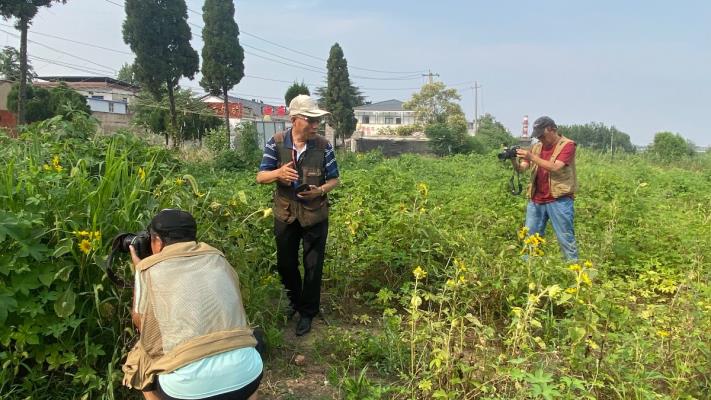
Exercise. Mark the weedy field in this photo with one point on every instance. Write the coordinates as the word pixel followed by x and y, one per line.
pixel 431 287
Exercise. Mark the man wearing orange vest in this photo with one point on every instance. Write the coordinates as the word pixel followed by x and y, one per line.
pixel 553 184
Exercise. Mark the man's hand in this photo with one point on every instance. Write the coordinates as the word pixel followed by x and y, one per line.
pixel 313 193
pixel 287 173
pixel 134 256
pixel 524 153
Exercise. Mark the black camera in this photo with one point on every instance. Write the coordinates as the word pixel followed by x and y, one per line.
pixel 508 153
pixel 141 242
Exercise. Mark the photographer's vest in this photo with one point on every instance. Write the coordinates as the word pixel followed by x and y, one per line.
pixel 562 182
pixel 287 207
pixel 191 309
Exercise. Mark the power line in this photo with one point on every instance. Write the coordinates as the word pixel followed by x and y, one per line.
pixel 309 55
pixel 75 41
pixel 413 75
pixel 60 51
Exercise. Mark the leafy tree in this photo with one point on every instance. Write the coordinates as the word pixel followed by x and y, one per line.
pixel 194 118
pixel 492 134
pixel 447 139
pixel 23 11
pixel 42 104
pixel 10 65
pixel 357 97
pixel 127 74
pixel 597 136
pixel 222 55
pixel 671 146
pixel 338 97
pixel 294 90
pixel 434 103
pixel 158 33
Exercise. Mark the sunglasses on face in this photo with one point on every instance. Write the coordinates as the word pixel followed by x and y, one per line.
pixel 310 120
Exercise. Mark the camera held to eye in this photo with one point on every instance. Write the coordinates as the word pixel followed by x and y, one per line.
pixel 141 242
pixel 508 153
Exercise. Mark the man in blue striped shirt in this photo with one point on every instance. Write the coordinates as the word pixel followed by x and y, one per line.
pixel 303 165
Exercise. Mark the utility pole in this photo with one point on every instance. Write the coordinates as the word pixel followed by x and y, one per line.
pixel 430 76
pixel 476 88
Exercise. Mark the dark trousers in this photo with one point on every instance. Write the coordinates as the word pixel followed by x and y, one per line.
pixel 305 295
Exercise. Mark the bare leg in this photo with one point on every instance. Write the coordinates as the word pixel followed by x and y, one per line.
pixel 253 396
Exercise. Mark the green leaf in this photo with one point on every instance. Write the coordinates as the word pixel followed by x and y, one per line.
pixel 242 196
pixel 47 275
pixel 64 273
pixel 7 304
pixel 25 281
pixel 37 250
pixel 64 306
pixel 63 247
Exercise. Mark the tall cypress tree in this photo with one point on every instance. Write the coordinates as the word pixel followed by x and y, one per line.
pixel 158 33
pixel 339 96
pixel 294 90
pixel 24 11
pixel 222 55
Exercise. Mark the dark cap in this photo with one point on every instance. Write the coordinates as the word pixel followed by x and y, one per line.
pixel 540 124
pixel 173 223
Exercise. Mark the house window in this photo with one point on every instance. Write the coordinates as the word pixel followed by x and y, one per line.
pixel 97 97
pixel 398 120
pixel 366 119
pixel 388 120
pixel 111 107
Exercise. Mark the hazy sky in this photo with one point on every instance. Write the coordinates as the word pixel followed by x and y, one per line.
pixel 642 66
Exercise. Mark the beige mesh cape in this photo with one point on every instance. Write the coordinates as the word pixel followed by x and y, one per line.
pixel 191 308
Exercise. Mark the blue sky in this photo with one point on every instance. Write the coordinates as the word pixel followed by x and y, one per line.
pixel 642 66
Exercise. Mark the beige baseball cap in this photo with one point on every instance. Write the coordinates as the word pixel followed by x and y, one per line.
pixel 304 105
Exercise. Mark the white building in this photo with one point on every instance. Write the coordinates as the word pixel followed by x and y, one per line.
pixel 103 94
pixel 372 118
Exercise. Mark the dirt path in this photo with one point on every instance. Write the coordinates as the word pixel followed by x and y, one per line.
pixel 297 371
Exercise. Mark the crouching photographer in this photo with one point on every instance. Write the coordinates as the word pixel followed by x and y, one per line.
pixel 194 340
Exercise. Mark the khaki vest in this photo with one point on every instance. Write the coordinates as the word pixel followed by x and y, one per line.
pixel 287 207
pixel 562 182
pixel 191 309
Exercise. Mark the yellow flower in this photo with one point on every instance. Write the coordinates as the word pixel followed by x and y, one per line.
pixel 522 232
pixel 588 264
pixel 585 278
pixel 81 234
pixel 46 167
pixel 141 174
pixel 571 290
pixel 462 280
pixel 96 235
pixel 574 267
pixel 460 265
pixel 425 385
pixel 55 164
pixel 451 283
pixel 663 333
pixel 85 246
pixel 179 181
pixel 423 189
pixel 419 273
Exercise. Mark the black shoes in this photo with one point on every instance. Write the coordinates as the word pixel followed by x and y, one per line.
pixel 303 326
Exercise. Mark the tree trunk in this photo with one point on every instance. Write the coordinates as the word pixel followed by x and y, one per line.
pixel 227 115
pixel 173 114
pixel 23 72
